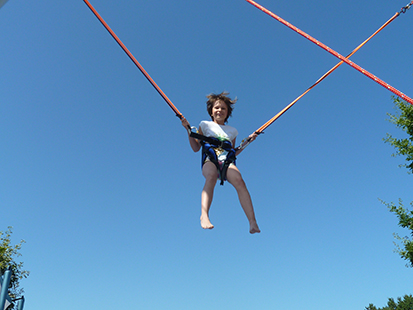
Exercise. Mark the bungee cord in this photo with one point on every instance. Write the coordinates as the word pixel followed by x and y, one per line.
pixel 260 130
pixel 273 119
pixel 167 100
pixel 263 127
pixel 333 52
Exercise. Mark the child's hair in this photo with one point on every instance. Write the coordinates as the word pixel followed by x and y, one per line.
pixel 212 98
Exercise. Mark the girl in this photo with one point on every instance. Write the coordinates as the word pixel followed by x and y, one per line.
pixel 219 157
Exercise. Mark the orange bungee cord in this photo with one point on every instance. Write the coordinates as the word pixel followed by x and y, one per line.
pixel 167 100
pixel 333 52
pixel 260 130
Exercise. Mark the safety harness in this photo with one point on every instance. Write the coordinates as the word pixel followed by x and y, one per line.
pixel 209 145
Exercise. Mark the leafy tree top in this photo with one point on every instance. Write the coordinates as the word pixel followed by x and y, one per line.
pixel 403 119
pixel 405 303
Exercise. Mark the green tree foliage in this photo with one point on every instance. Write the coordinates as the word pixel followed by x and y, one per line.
pixel 8 254
pixel 403 119
pixel 405 216
pixel 405 303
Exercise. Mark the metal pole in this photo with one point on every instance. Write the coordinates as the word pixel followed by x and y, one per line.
pixel 20 304
pixel 5 288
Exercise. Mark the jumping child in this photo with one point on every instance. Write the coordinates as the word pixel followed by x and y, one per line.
pixel 218 157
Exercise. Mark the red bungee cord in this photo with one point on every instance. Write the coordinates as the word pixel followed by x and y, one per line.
pixel 260 130
pixel 169 102
pixel 273 119
pixel 333 52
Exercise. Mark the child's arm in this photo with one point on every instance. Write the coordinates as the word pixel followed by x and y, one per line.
pixel 252 137
pixel 194 143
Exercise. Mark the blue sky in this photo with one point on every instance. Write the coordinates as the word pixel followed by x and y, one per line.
pixel 98 177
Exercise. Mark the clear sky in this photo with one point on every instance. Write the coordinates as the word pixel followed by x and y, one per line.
pixel 98 177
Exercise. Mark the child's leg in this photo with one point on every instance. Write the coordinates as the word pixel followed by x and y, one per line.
pixel 210 173
pixel 234 177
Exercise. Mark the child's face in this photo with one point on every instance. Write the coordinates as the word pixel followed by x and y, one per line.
pixel 219 112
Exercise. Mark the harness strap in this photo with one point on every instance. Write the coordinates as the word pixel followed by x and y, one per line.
pixel 209 144
pixel 211 140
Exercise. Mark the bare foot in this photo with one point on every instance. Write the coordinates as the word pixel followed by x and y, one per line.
pixel 205 223
pixel 254 228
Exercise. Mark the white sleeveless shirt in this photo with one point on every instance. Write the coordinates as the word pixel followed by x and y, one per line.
pixel 221 132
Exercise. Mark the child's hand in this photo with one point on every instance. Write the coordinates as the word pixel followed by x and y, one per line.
pixel 252 136
pixel 185 123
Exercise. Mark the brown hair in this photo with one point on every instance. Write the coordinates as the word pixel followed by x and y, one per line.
pixel 213 98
